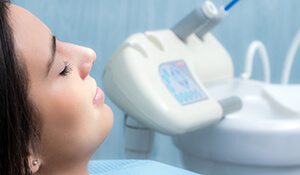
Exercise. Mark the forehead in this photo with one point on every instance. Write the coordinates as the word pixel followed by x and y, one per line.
pixel 32 38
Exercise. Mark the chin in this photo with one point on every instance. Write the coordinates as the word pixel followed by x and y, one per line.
pixel 106 123
pixel 109 116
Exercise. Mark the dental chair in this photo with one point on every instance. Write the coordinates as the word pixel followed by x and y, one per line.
pixel 133 167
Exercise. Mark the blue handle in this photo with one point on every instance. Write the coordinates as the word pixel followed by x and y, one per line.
pixel 230 5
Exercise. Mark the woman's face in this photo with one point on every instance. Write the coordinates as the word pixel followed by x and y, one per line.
pixel 74 118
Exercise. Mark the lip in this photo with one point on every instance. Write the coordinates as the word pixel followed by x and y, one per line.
pixel 99 96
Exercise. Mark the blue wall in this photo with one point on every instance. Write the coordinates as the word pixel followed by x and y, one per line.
pixel 104 24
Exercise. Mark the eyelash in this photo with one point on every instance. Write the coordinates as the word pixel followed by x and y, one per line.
pixel 67 69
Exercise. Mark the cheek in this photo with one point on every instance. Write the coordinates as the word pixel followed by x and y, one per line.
pixel 70 118
pixel 63 109
pixel 70 112
pixel 65 102
pixel 65 119
pixel 60 106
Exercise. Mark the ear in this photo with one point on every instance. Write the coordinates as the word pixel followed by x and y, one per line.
pixel 34 163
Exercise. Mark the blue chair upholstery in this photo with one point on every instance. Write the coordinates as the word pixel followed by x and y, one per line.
pixel 134 167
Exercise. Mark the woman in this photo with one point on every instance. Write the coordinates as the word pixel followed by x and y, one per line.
pixel 53 115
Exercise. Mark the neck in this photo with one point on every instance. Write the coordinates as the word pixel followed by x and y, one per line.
pixel 67 168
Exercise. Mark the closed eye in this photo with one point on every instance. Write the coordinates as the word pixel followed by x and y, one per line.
pixel 67 69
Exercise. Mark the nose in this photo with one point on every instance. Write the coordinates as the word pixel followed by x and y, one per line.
pixel 87 59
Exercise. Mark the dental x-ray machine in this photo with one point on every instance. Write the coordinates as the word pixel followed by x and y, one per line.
pixel 157 77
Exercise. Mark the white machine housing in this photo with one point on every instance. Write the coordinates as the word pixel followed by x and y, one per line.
pixel 134 80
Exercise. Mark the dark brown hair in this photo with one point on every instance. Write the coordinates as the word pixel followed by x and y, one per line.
pixel 18 126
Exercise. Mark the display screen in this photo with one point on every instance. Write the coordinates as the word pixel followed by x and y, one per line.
pixel 180 83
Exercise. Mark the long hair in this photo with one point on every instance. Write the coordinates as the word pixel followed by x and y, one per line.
pixel 18 124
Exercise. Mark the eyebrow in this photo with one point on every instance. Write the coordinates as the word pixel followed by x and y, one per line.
pixel 53 51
